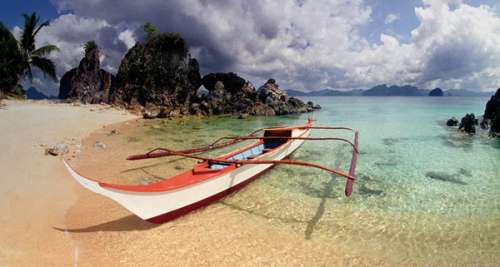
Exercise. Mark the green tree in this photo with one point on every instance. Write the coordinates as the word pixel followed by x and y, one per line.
pixel 89 46
pixel 150 30
pixel 30 54
pixel 10 60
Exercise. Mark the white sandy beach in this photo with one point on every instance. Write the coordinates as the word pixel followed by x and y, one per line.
pixel 35 191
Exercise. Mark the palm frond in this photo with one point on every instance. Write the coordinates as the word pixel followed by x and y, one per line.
pixel 27 40
pixel 46 23
pixel 45 65
pixel 45 50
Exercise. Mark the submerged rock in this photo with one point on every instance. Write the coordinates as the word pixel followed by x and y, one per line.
pixel 446 177
pixel 452 122
pixel 468 124
pixel 465 172
pixel 364 190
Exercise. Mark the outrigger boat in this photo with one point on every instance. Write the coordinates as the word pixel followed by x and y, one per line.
pixel 215 178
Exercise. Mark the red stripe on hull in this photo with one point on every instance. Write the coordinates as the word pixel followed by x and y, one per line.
pixel 204 202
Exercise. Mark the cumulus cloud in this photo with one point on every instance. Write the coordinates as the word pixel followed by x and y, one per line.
pixel 303 44
pixel 391 18
pixel 457 44
pixel 258 39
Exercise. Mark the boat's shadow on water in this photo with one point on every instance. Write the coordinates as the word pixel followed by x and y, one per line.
pixel 128 223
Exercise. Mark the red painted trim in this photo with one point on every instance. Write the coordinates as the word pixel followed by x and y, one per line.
pixel 204 202
pixel 189 177
pixel 352 168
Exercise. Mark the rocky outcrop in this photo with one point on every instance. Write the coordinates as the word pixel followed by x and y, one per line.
pixel 492 114
pixel 223 93
pixel 157 75
pixel 227 93
pixel 468 124
pixel 160 79
pixel 452 122
pixel 271 95
pixel 436 92
pixel 88 83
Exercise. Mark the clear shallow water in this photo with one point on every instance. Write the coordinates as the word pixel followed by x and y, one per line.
pixel 400 209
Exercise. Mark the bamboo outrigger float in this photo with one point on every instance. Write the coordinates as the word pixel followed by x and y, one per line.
pixel 214 178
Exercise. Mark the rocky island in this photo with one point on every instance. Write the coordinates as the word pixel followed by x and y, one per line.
pixel 490 120
pixel 491 117
pixel 436 92
pixel 160 79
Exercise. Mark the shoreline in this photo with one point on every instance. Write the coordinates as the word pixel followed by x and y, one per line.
pixel 36 191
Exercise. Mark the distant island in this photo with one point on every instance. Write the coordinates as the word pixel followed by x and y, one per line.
pixel 393 90
pixel 436 92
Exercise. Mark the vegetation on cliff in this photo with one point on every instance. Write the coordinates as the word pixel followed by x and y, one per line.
pixel 88 83
pixel 158 72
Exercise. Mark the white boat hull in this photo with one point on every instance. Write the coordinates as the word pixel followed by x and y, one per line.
pixel 159 207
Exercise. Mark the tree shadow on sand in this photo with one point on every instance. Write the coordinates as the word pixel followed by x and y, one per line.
pixel 128 223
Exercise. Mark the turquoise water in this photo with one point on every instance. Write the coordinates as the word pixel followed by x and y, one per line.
pixel 425 194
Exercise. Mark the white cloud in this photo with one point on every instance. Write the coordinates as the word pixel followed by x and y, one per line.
pixel 391 18
pixel 128 38
pixel 303 44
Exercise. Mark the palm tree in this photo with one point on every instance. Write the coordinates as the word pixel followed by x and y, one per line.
pixel 10 61
pixel 31 55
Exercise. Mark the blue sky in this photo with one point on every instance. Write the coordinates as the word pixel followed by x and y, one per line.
pixel 305 45
pixel 11 11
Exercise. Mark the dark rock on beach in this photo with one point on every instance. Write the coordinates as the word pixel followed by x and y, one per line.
pixel 88 83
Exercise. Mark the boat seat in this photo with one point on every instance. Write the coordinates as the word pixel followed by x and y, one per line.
pixel 218 166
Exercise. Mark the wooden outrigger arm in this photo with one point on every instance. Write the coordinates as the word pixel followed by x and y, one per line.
pixel 245 162
pixel 217 144
pixel 350 176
